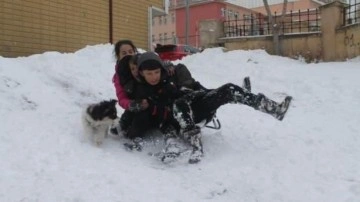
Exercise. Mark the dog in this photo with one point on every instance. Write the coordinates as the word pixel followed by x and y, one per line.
pixel 97 118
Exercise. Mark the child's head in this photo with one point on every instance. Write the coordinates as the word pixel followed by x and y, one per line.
pixel 150 67
pixel 133 65
pixel 123 48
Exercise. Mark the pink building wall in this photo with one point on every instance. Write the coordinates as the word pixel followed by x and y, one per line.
pixel 212 10
pixel 196 14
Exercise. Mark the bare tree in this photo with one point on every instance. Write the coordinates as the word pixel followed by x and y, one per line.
pixel 276 25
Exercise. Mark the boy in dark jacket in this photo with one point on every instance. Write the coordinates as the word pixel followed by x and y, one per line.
pixel 177 111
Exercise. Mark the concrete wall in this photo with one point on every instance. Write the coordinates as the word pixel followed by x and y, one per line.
pixel 333 43
pixel 306 45
pixel 210 31
pixel 35 26
pixel 348 40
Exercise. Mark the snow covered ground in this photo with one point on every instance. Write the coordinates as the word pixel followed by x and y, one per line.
pixel 313 155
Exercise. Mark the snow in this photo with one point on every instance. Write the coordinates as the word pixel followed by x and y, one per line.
pixel 313 155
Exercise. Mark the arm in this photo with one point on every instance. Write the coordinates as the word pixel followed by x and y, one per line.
pixel 123 99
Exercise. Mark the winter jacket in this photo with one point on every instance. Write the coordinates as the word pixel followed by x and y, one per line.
pixel 183 78
pixel 125 87
pixel 160 97
pixel 123 98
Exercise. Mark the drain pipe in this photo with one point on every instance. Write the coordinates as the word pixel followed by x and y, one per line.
pixel 110 21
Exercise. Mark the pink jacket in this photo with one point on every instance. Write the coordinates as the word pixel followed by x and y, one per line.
pixel 123 99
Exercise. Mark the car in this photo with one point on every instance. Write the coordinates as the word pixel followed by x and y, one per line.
pixel 174 51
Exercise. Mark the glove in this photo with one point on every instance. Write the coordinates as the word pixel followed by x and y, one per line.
pixel 135 106
pixel 169 67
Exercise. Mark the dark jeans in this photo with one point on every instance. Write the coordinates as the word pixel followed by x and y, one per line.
pixel 198 106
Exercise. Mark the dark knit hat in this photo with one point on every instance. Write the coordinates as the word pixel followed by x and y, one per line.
pixel 149 61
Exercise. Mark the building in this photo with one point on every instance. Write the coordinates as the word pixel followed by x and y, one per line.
pixel 291 6
pixel 260 3
pixel 164 27
pixel 166 30
pixel 30 27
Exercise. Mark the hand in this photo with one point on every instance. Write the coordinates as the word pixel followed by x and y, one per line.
pixel 136 105
pixel 171 70
pixel 169 67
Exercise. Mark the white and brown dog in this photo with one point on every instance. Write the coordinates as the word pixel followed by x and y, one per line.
pixel 97 118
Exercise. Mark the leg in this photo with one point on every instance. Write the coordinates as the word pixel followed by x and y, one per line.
pixel 188 130
pixel 140 124
pixel 126 120
pixel 99 134
pixel 124 123
pixel 230 93
pixel 172 150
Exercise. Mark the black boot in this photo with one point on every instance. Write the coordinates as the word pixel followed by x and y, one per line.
pixel 136 144
pixel 271 107
pixel 171 151
pixel 193 136
pixel 247 84
pixel 197 151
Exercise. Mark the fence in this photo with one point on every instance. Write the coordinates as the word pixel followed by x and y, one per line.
pixel 258 24
pixel 338 37
pixel 352 13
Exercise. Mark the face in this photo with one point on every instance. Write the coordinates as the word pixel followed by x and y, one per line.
pixel 109 109
pixel 134 70
pixel 152 77
pixel 125 50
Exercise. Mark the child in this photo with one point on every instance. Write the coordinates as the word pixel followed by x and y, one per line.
pixel 176 111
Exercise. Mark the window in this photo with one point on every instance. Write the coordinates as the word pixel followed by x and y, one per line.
pixel 173 17
pixel 230 13
pixel 160 20
pixel 153 38
pixel 165 19
pixel 223 12
pixel 165 37
pixel 236 15
pixel 160 38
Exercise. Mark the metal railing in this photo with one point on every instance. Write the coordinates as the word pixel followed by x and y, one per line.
pixel 352 13
pixel 258 24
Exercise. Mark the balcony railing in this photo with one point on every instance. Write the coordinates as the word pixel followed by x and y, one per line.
pixel 258 24
pixel 352 13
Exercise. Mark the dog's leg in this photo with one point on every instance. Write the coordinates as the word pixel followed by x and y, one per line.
pixel 100 135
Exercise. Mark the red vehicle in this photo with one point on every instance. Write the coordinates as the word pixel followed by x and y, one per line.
pixel 174 52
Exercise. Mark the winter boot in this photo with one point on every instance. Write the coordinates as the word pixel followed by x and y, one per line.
pixel 247 84
pixel 136 144
pixel 193 136
pixel 171 151
pixel 271 107
pixel 197 152
pixel 190 131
